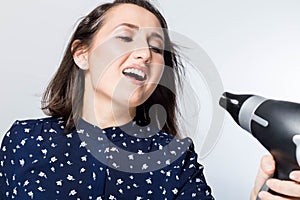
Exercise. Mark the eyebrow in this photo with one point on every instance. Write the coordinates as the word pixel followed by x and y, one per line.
pixel 154 34
pixel 128 25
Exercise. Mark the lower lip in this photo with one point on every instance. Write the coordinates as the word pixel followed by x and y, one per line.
pixel 134 81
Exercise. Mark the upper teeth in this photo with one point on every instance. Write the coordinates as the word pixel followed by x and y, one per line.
pixel 135 71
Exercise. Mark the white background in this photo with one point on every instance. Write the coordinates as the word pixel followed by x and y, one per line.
pixel 255 46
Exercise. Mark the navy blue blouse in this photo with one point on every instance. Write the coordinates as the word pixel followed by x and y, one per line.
pixel 39 160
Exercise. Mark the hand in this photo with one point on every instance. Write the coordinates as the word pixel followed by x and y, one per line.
pixel 289 188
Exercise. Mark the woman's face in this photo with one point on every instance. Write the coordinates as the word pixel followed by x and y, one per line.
pixel 125 60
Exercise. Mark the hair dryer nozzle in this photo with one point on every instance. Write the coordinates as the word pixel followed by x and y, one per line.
pixel 232 103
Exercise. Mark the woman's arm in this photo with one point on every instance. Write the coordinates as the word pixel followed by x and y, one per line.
pixel 289 188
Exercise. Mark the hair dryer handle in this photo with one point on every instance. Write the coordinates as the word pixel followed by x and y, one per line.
pixel 284 166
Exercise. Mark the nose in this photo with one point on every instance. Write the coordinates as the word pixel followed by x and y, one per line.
pixel 142 52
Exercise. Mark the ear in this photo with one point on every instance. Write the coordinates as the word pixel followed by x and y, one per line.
pixel 80 55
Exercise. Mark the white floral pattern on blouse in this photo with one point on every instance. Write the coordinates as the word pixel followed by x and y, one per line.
pixel 39 160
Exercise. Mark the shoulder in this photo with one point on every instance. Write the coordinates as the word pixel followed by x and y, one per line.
pixel 36 122
pixel 184 165
pixel 30 125
pixel 180 150
pixel 32 128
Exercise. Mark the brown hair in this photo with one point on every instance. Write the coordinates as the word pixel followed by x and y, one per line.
pixel 64 95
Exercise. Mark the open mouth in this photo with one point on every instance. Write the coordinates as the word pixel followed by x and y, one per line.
pixel 135 73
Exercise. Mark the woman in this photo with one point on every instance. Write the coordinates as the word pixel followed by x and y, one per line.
pixel 100 141
pixel 106 138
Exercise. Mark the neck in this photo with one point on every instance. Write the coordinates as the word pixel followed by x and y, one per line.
pixel 102 111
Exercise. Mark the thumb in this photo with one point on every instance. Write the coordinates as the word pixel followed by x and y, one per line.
pixel 267 168
pixel 267 165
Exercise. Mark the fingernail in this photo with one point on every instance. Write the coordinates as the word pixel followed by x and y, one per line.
pixel 294 176
pixel 261 195
pixel 270 183
pixel 269 166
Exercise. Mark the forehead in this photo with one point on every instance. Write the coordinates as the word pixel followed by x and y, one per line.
pixel 133 14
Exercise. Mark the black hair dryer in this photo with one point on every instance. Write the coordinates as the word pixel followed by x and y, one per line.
pixel 275 124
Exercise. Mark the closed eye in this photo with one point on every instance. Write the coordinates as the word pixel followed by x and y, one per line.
pixel 125 38
pixel 156 49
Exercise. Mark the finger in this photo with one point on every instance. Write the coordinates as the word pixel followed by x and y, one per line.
pixel 289 188
pixel 268 196
pixel 295 175
pixel 266 169
pixel 268 165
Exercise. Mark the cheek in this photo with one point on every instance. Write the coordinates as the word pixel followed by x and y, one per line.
pixel 156 71
pixel 103 57
pixel 156 75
